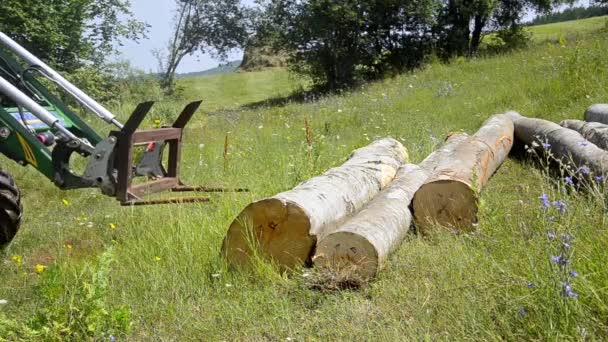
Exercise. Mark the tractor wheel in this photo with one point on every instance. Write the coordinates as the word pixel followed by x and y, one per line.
pixel 10 208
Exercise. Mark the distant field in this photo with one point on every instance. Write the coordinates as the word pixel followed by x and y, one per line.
pixel 84 268
pixel 567 29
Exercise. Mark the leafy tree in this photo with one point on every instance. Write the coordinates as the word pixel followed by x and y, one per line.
pixel 456 17
pixel 205 26
pixel 338 43
pixel 70 33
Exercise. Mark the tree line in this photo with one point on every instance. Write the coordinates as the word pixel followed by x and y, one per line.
pixel 335 43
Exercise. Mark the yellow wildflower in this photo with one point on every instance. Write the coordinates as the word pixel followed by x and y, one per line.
pixel 65 202
pixel 40 268
pixel 17 260
pixel 112 226
pixel 157 258
pixel 67 246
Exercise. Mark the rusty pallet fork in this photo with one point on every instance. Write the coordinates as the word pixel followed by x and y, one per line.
pixel 151 164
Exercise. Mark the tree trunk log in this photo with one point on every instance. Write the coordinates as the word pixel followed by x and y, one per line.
pixel 361 245
pixel 565 144
pixel 285 228
pixel 595 132
pixel 597 113
pixel 449 198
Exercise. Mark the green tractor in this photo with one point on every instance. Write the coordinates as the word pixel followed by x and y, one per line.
pixel 37 129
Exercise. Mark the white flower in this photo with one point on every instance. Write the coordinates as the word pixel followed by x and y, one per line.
pixel 3 301
pixel 339 110
pixel 201 146
pixel 260 126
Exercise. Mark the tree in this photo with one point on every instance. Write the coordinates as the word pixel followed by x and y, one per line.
pixel 339 43
pixel 70 33
pixel 204 26
pixel 456 17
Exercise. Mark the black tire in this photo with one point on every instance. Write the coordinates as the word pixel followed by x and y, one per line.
pixel 10 208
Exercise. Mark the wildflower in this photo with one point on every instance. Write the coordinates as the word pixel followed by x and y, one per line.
pixel 3 301
pixel 566 245
pixel 65 202
pixel 583 143
pixel 112 226
pixel 569 180
pixel 551 235
pixel 561 206
pixel 567 237
pixel 40 268
pixel 157 123
pixel 546 146
pixel 599 179
pixel 521 312
pixel 545 201
pixel 157 258
pixel 585 170
pixel 112 338
pixel 558 259
pixel 67 246
pixel 530 284
pixel 573 273
pixel 17 260
pixel 568 292
pixel 551 218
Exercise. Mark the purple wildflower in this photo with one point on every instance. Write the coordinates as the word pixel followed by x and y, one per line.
pixel 551 235
pixel 585 170
pixel 573 273
pixel 521 312
pixel 558 259
pixel 551 218
pixel 569 180
pixel 546 146
pixel 567 237
pixel 583 143
pixel 599 179
pixel 561 206
pixel 568 292
pixel 546 204
pixel 530 284
pixel 112 338
pixel 566 245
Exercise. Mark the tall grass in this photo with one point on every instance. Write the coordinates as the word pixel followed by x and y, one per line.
pixel 166 279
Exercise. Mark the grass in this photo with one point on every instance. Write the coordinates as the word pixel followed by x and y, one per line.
pixel 155 272
pixel 564 29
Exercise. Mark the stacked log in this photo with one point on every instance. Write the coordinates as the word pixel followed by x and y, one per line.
pixel 595 132
pixel 285 228
pixel 564 144
pixel 362 243
pixel 597 113
pixel 449 198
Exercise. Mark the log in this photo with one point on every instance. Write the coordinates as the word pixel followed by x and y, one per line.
pixel 595 132
pixel 597 113
pixel 566 145
pixel 449 198
pixel 361 245
pixel 285 228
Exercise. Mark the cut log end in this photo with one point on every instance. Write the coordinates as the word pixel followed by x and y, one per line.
pixel 279 228
pixel 445 203
pixel 348 252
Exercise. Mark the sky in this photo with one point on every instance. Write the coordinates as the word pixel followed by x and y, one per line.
pixel 159 15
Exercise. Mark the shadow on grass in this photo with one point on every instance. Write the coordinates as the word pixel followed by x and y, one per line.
pixel 298 96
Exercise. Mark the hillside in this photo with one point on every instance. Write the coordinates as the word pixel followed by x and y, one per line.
pixel 226 68
pixel 155 273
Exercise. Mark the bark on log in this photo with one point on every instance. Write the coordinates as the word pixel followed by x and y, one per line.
pixel 564 144
pixel 361 245
pixel 285 228
pixel 595 132
pixel 449 198
pixel 597 113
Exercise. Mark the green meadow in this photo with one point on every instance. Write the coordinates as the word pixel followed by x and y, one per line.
pixel 84 268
